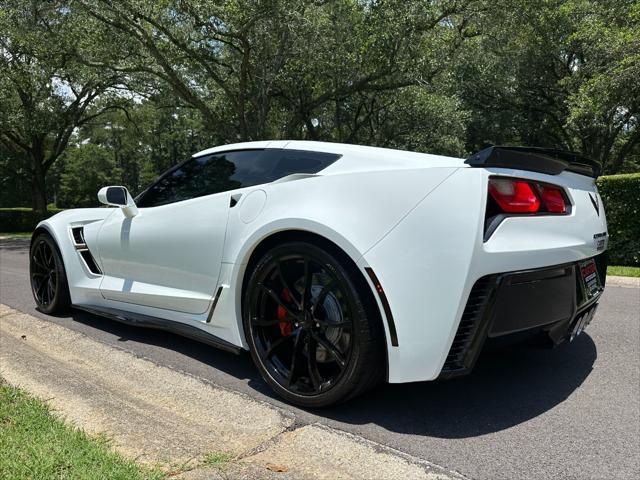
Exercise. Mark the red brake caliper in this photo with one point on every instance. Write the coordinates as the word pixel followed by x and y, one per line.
pixel 285 326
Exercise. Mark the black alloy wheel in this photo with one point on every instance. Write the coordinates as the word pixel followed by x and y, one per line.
pixel 48 276
pixel 312 333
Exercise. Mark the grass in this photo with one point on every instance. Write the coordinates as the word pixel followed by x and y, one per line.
pixel 34 444
pixel 623 271
pixel 217 459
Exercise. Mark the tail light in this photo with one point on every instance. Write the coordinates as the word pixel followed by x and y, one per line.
pixel 553 198
pixel 517 196
pixel 514 196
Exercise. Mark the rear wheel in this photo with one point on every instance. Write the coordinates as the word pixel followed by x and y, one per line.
pixel 48 277
pixel 312 329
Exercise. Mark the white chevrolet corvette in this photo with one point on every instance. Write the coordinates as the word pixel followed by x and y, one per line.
pixel 339 266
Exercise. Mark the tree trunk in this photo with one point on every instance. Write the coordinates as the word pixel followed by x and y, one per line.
pixel 39 188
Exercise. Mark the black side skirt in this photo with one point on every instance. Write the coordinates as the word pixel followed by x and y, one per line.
pixel 147 321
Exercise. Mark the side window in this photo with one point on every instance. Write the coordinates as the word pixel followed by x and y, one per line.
pixel 221 172
pixel 273 164
pixel 195 178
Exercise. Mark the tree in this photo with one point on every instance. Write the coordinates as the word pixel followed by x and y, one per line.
pixel 145 139
pixel 604 103
pixel 266 69
pixel 86 169
pixel 45 92
pixel 554 73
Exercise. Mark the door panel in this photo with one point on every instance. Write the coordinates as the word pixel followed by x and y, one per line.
pixel 166 256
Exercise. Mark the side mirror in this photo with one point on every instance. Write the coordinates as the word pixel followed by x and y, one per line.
pixel 118 197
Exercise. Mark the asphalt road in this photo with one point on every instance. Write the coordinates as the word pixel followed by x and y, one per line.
pixel 526 412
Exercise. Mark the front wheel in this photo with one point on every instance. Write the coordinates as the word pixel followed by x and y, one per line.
pixel 313 329
pixel 48 276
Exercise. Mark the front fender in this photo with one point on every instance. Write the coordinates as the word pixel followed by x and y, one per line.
pixel 83 286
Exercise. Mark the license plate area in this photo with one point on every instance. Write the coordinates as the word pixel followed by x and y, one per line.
pixel 588 274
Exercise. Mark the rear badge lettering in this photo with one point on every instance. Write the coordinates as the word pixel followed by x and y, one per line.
pixel 600 241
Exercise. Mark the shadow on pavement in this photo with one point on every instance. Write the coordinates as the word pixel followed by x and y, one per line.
pixel 239 366
pixel 508 386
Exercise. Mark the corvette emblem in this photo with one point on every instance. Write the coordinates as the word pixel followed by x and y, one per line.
pixel 594 201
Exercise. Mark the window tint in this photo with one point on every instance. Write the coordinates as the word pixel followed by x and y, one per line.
pixel 231 170
pixel 276 163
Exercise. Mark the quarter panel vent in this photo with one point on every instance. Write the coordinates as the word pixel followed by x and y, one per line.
pixel 472 328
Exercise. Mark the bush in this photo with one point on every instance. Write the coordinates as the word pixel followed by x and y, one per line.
pixel 621 197
pixel 22 219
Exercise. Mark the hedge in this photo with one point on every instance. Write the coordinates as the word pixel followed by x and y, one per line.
pixel 22 219
pixel 621 197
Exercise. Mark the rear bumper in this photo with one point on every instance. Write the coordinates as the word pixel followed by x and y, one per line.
pixel 551 299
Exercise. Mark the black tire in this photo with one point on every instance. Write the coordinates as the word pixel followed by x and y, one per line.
pixel 48 277
pixel 301 298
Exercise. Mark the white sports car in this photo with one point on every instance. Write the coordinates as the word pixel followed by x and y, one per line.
pixel 339 266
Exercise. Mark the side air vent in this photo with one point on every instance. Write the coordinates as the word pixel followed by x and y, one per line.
pixel 90 262
pixel 78 235
pixel 472 329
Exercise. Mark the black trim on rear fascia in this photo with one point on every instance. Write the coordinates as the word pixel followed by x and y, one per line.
pixel 480 325
pixel 146 321
pixel 486 316
pixel 543 160
pixel 385 305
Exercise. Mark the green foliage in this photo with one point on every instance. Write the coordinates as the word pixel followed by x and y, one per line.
pixel 150 83
pixel 22 219
pixel 621 197
pixel 217 459
pixel 555 73
pixel 86 169
pixel 604 100
pixel 36 445
pixel 46 88
pixel 623 271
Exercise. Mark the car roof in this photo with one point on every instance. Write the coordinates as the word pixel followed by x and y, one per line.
pixel 360 157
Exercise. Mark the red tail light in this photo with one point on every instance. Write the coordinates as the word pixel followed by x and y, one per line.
pixel 552 198
pixel 514 196
pixel 517 196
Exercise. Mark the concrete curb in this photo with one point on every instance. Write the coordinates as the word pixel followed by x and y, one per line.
pixel 163 417
pixel 623 281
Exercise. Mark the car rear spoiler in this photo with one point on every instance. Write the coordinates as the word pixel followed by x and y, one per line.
pixel 543 160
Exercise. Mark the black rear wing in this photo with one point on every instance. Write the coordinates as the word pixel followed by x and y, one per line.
pixel 542 160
